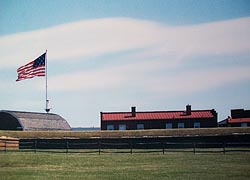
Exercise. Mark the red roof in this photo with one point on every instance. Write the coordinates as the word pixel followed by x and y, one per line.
pixel 238 120
pixel 156 115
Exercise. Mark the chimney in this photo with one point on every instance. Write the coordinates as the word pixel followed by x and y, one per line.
pixel 133 111
pixel 188 110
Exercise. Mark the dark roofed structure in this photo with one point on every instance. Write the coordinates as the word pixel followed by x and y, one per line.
pixel 26 121
pixel 239 118
pixel 158 119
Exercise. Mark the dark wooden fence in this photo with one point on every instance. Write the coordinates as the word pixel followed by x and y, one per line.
pixel 196 144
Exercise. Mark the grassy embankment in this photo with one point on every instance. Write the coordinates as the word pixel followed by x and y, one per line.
pixel 171 166
pixel 131 133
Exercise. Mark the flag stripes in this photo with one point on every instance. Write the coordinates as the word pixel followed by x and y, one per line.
pixel 32 69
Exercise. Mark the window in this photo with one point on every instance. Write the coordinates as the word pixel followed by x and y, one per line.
pixel 243 124
pixel 197 125
pixel 180 125
pixel 122 127
pixel 140 126
pixel 169 126
pixel 110 127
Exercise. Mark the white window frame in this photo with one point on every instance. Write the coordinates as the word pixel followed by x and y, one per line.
pixel 122 127
pixel 140 126
pixel 197 125
pixel 169 125
pixel 181 125
pixel 110 127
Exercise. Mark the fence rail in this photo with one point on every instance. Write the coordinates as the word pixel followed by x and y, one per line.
pixel 69 146
pixel 8 143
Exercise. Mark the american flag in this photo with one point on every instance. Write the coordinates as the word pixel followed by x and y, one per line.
pixel 32 69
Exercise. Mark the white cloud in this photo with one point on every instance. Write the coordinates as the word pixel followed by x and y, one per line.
pixel 194 81
pixel 117 76
pixel 84 38
pixel 109 35
pixel 161 47
pixel 144 76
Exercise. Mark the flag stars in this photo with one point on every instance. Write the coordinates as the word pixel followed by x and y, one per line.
pixel 40 61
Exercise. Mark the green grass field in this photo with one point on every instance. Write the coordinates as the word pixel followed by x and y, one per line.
pixel 172 166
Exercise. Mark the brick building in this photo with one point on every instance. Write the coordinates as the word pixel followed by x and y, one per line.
pixel 133 120
pixel 239 118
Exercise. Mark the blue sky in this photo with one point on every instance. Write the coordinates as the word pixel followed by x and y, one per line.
pixel 111 55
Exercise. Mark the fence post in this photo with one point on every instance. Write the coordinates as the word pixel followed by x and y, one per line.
pixel 163 147
pixel 5 146
pixel 131 147
pixel 35 145
pixel 99 147
pixel 194 144
pixel 224 150
pixel 67 146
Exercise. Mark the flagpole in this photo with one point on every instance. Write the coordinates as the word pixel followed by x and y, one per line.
pixel 47 109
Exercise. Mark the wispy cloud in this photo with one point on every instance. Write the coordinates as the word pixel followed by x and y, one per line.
pixel 156 48
pixel 195 81
pixel 108 35
pixel 148 79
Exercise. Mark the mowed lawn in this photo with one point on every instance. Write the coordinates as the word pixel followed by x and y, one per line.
pixel 151 166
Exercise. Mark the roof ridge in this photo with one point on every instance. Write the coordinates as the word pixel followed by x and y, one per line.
pixel 13 111
pixel 154 115
pixel 125 112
